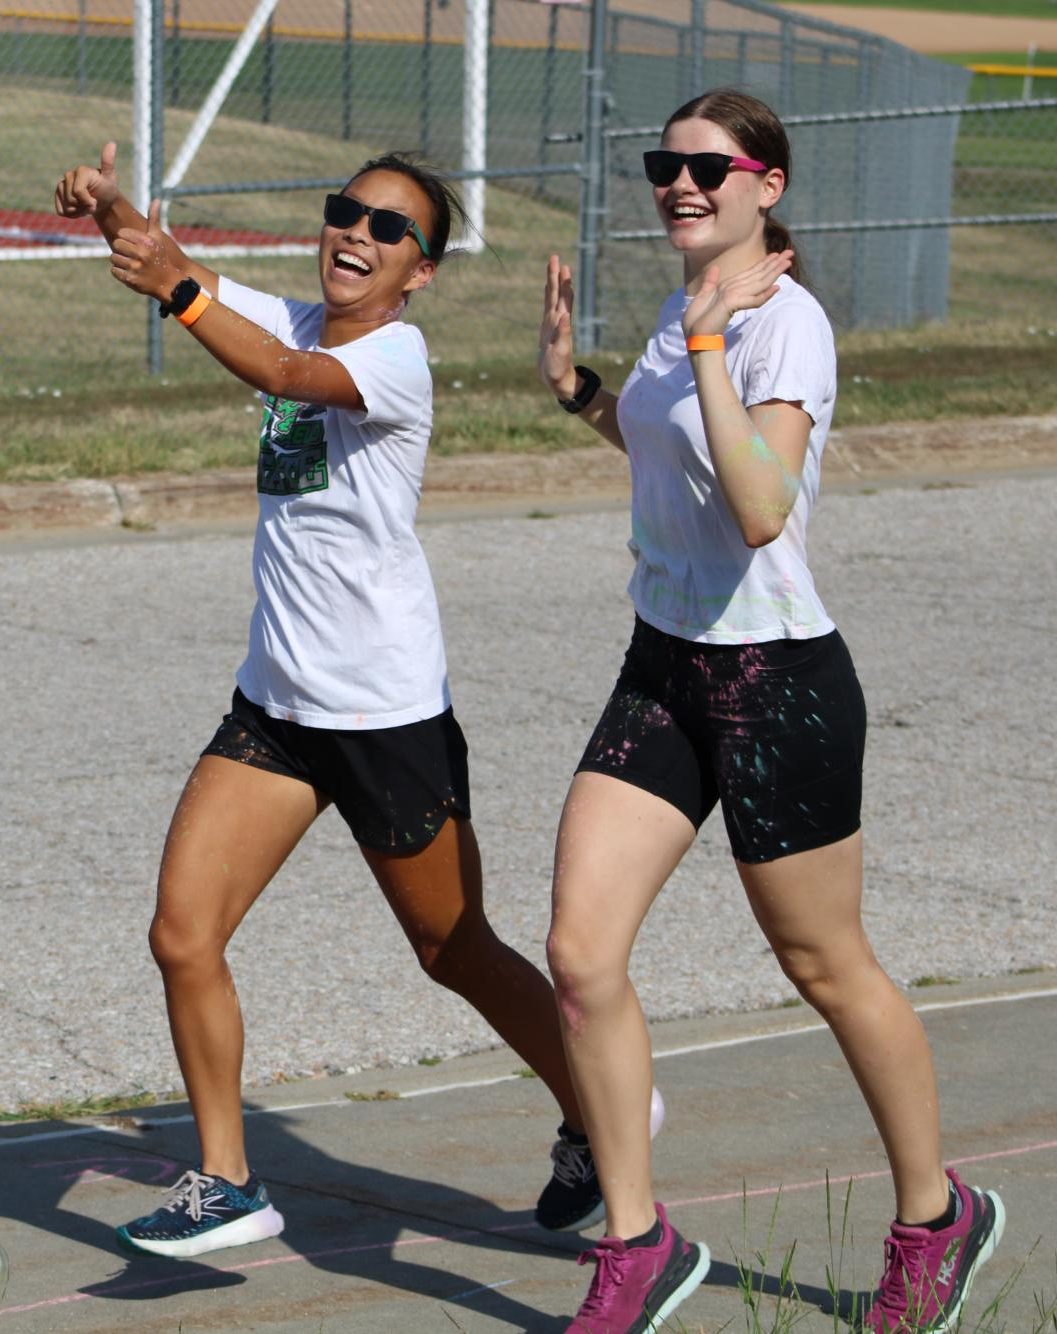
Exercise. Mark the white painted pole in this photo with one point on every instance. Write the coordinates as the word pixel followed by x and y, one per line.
pixel 1029 80
pixel 142 138
pixel 211 106
pixel 475 119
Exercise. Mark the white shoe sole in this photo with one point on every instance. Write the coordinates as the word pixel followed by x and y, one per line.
pixel 258 1226
pixel 950 1322
pixel 692 1281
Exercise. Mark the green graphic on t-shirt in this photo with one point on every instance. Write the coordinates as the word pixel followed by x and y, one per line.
pixel 293 453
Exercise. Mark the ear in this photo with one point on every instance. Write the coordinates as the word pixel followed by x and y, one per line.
pixel 772 187
pixel 421 276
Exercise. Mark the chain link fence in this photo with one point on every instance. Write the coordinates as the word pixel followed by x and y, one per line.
pixel 260 106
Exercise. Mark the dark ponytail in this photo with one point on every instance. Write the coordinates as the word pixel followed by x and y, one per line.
pixel 761 134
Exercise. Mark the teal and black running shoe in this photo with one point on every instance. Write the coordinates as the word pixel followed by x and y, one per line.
pixel 204 1213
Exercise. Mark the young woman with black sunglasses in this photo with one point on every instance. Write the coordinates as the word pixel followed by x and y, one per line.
pixel 736 690
pixel 343 696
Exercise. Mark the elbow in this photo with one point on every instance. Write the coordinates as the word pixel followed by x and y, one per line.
pixel 761 532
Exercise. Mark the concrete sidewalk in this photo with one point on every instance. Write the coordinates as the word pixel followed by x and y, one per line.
pixel 413 1212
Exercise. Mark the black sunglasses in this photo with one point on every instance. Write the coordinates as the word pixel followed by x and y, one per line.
pixel 708 170
pixel 386 225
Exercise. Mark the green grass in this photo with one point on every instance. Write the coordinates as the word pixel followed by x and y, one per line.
pixel 73 1109
pixel 77 401
pixel 773 1300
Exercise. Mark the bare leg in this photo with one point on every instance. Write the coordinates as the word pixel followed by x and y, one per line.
pixel 617 845
pixel 233 828
pixel 437 897
pixel 808 905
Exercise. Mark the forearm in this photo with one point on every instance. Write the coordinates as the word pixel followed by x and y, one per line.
pixel 253 355
pixel 112 217
pixel 600 414
pixel 759 487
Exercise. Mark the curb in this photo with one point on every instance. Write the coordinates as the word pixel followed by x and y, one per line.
pixel 925 452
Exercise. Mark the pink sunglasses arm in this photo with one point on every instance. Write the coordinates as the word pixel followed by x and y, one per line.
pixel 748 164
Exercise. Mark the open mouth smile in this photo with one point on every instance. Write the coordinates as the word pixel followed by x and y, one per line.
pixel 350 263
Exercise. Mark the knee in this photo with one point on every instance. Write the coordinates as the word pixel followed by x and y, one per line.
pixel 585 978
pixel 829 980
pixel 456 960
pixel 180 947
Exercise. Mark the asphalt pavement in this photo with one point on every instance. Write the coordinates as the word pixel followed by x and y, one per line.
pixel 414 1213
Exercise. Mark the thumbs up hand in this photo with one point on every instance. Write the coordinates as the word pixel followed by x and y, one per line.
pixel 85 190
pixel 140 260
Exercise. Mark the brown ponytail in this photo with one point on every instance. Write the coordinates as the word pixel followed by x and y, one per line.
pixel 760 133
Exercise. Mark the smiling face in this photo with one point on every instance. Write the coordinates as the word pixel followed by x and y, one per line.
pixel 365 281
pixel 723 225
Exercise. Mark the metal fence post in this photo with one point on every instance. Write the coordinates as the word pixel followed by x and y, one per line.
pixel 268 71
pixel 174 56
pixel 592 184
pixel 156 162
pixel 697 50
pixel 82 46
pixel 346 74
pixel 547 96
pixel 427 71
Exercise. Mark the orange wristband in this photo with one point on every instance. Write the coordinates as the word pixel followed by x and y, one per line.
pixel 705 343
pixel 195 310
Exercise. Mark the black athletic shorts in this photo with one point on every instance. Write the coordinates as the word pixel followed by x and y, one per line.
pixel 394 786
pixel 775 732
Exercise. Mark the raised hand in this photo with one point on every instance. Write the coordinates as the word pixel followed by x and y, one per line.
pixel 85 190
pixel 140 259
pixel 556 331
pixel 717 298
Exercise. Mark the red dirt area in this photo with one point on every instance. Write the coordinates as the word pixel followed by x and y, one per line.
pixel 22 228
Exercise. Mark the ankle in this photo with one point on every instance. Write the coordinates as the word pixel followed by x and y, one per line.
pixel 934 1211
pixel 634 1224
pixel 236 1172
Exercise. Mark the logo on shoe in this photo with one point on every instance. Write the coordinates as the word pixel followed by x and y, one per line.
pixel 950 1258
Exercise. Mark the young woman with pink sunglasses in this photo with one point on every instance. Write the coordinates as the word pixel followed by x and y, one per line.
pixel 736 690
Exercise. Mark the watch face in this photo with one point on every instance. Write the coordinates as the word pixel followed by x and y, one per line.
pixel 183 294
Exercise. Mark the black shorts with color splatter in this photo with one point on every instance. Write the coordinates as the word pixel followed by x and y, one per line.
pixel 775 732
pixel 394 786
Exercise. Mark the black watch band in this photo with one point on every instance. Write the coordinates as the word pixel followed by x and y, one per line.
pixel 182 295
pixel 590 385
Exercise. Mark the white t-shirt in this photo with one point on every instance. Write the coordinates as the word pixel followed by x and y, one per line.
pixel 694 576
pixel 346 631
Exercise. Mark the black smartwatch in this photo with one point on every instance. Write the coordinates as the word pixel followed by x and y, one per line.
pixel 591 383
pixel 183 294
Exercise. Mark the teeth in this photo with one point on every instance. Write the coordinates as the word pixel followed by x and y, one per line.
pixel 345 257
pixel 689 211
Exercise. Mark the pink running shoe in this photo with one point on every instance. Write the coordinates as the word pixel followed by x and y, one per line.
pixel 928 1274
pixel 634 1290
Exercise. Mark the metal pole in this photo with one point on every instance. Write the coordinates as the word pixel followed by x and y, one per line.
pixel 592 185
pixel 475 119
pixel 157 162
pixel 697 50
pixel 346 74
pixel 547 108
pixel 268 71
pixel 174 56
pixel 82 47
pixel 427 70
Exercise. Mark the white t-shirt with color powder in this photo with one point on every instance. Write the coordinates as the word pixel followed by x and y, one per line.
pixel 346 630
pixel 694 576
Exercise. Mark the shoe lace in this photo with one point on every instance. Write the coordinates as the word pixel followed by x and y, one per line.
pixel 572 1162
pixel 901 1278
pixel 609 1275
pixel 188 1190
